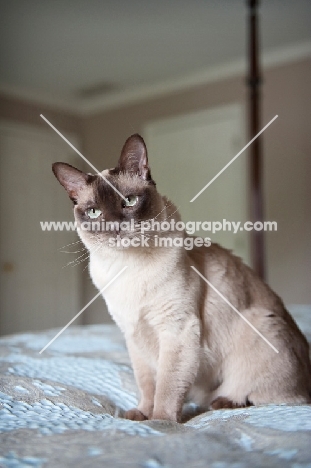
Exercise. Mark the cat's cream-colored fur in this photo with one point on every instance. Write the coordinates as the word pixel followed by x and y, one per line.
pixel 183 339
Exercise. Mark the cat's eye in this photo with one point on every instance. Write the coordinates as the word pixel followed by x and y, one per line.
pixel 93 213
pixel 131 200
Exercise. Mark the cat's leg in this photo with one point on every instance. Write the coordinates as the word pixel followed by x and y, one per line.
pixel 229 394
pixel 176 371
pixel 145 380
pixel 256 374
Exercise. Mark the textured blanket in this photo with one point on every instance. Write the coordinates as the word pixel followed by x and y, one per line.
pixel 64 407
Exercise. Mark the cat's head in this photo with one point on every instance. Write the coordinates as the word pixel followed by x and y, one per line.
pixel 123 196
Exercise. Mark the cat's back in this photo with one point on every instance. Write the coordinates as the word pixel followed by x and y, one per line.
pixel 231 286
pixel 232 278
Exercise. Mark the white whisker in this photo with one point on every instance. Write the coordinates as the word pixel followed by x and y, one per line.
pixel 74 252
pixel 72 243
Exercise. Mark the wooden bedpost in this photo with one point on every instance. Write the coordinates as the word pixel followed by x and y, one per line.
pixel 255 154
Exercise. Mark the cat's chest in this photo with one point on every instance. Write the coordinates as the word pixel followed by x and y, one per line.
pixel 125 293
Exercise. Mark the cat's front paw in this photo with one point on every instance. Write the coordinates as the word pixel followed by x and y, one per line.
pixel 135 415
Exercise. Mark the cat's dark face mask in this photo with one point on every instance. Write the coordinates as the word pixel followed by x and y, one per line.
pixel 116 202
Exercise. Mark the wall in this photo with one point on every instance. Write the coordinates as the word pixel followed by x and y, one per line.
pixel 24 112
pixel 20 112
pixel 287 146
pixel 287 161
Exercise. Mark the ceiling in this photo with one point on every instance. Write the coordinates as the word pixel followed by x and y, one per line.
pixel 79 51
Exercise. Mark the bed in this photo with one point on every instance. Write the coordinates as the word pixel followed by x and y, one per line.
pixel 64 408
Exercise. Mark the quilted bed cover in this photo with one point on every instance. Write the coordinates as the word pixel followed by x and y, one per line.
pixel 64 407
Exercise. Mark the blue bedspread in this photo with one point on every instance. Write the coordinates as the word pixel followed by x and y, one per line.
pixel 64 407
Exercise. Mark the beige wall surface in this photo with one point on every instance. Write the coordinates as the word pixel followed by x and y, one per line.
pixel 15 111
pixel 287 160
pixel 287 149
pixel 19 111
pixel 105 133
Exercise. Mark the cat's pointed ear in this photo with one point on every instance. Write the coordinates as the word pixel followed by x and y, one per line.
pixel 71 178
pixel 134 158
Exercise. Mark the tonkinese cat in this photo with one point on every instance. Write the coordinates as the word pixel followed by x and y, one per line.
pixel 183 339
